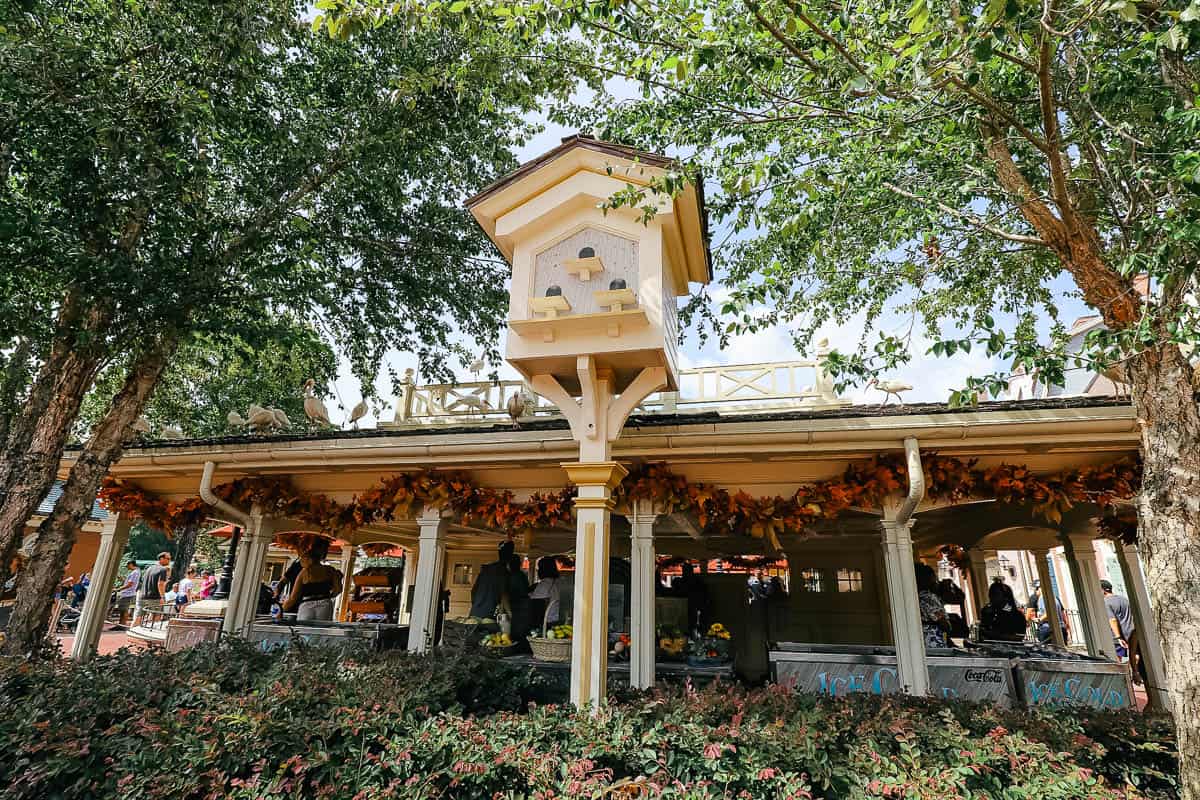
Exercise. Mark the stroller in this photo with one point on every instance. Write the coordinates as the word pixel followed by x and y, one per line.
pixel 68 619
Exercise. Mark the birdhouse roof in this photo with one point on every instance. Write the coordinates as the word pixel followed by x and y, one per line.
pixel 583 153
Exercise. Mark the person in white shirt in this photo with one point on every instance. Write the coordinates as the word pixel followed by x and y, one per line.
pixel 172 593
pixel 547 593
pixel 187 588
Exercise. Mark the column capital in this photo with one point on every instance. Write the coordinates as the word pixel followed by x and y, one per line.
pixel 432 515
pixel 895 532
pixel 114 523
pixel 432 525
pixel 642 514
pixel 1079 541
pixel 607 474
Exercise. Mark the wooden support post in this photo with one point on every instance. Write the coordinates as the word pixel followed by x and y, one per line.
pixel 113 538
pixel 1081 560
pixel 641 558
pixel 430 566
pixel 593 506
pixel 1049 597
pixel 349 554
pixel 911 666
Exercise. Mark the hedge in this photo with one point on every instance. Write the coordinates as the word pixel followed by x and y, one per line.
pixel 228 721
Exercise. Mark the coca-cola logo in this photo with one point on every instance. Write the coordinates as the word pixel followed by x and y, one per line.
pixel 984 676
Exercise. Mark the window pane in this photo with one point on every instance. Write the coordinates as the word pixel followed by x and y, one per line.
pixel 810 579
pixel 849 580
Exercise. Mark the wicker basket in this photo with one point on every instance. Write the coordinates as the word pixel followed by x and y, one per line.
pixel 556 650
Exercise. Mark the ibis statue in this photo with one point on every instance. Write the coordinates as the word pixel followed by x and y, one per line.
pixel 890 389
pixel 314 407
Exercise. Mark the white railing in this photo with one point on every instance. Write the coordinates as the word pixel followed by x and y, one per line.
pixel 729 388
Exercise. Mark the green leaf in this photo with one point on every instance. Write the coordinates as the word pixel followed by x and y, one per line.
pixel 1174 38
pixel 458 6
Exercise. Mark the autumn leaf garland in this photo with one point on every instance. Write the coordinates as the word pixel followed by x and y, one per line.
pixel 863 485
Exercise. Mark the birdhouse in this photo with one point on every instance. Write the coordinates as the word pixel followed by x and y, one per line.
pixel 587 281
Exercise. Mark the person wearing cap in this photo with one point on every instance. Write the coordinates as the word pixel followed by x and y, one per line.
pixel 1120 618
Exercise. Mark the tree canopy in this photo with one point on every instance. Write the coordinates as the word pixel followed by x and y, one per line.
pixel 212 375
pixel 945 162
pixel 939 160
pixel 182 172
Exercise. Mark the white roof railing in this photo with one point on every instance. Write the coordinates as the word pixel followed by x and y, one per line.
pixel 730 389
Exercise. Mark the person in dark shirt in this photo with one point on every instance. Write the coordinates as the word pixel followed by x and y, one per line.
pixel 516 595
pixel 491 583
pixel 317 584
pixel 1001 619
pixel 691 586
pixel 288 581
pixel 154 579
pixel 1120 619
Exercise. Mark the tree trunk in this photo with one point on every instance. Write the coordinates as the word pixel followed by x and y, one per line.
pixel 39 433
pixel 1169 535
pixel 58 532
pixel 185 548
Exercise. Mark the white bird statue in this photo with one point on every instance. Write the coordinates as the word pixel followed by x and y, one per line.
pixel 172 432
pixel 477 367
pixel 516 407
pixel 357 413
pixel 261 420
pixel 236 420
pixel 314 408
pixel 890 389
pixel 141 426
pixel 474 403
pixel 281 419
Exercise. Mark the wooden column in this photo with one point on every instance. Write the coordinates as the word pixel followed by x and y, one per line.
pixel 593 505
pixel 113 538
pixel 1049 596
pixel 247 573
pixel 978 563
pixel 349 554
pixel 641 560
pixel 911 666
pixel 1149 642
pixel 430 566
pixel 1081 560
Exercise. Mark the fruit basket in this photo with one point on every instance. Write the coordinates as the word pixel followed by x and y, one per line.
pixel 500 645
pixel 555 646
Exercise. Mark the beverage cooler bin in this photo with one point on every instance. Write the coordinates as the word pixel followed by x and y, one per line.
pixel 1091 683
pixel 840 670
pixel 269 634
pixel 1006 674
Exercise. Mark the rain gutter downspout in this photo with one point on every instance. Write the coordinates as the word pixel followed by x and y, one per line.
pixel 916 481
pixel 912 666
pixel 206 494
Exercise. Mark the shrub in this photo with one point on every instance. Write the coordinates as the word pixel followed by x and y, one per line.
pixel 227 720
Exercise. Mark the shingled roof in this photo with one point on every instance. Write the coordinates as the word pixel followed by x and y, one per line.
pixel 47 505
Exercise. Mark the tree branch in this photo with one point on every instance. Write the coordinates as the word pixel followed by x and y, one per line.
pixel 782 37
pixel 1058 174
pixel 978 222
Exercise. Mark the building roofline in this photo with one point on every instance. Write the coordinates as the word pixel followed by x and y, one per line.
pixel 644 421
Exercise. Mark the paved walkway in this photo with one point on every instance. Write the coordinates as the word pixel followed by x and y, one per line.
pixel 110 642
